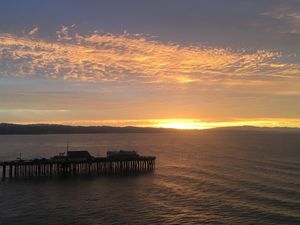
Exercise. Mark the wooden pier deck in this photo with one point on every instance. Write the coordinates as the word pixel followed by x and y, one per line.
pixel 94 166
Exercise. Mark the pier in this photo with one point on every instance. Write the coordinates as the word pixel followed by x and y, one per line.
pixel 78 163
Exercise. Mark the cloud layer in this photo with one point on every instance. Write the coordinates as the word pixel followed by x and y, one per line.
pixel 134 58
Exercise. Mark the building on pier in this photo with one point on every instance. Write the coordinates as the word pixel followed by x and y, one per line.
pixel 122 154
pixel 72 156
pixel 77 156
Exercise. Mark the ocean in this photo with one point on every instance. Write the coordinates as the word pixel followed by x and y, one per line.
pixel 205 177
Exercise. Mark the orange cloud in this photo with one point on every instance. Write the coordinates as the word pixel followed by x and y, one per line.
pixel 134 58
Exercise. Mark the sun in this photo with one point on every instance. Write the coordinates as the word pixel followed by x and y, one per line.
pixel 188 124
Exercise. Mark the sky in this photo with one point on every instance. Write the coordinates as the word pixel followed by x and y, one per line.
pixel 184 64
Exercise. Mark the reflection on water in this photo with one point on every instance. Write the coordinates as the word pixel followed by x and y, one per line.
pixel 207 177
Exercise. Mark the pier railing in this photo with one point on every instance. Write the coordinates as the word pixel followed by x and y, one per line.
pixel 94 166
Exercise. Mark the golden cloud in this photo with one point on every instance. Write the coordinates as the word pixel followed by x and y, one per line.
pixel 134 58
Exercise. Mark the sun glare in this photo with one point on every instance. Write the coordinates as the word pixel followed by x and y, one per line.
pixel 181 124
pixel 197 124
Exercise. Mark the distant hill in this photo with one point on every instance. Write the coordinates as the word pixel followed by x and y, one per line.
pixel 253 128
pixel 65 129
pixel 8 129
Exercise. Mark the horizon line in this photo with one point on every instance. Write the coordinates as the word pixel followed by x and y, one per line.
pixel 148 127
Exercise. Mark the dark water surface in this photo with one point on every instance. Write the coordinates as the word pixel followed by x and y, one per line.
pixel 201 178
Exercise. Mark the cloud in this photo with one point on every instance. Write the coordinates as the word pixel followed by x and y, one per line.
pixel 134 58
pixel 290 18
pixel 63 33
pixel 33 31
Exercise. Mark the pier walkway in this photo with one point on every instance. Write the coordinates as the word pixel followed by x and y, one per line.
pixel 93 166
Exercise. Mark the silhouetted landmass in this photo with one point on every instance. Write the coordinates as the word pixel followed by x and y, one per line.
pixel 253 128
pixel 65 129
pixel 6 129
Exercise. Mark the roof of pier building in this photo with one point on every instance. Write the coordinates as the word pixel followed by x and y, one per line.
pixel 78 155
